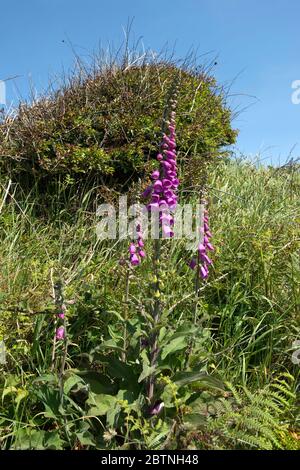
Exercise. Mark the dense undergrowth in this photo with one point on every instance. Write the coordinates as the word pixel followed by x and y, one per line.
pixel 225 373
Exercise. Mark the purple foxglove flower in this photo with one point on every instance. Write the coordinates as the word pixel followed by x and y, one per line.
pixel 60 333
pixel 167 183
pixel 171 201
pixel 193 263
pixel 201 248
pixel 147 192
pixel 205 258
pixel 164 187
pixel 203 272
pixel 167 232
pixel 168 193
pixel 204 246
pixel 170 159
pixel 166 218
pixel 157 184
pixel 157 190
pixel 155 198
pixel 132 248
pixel 61 315
pixel 170 154
pixel 156 408
pixel 155 175
pixel 166 165
pixel 153 206
pixel 162 204
pixel 134 260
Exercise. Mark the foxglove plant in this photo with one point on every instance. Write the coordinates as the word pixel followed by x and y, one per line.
pixel 60 330
pixel 136 251
pixel 202 262
pixel 160 197
pixel 163 190
pixel 60 320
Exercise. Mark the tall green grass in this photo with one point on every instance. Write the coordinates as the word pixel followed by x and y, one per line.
pixel 248 312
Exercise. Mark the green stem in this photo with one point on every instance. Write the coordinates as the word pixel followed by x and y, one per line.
pixel 156 317
pixel 126 299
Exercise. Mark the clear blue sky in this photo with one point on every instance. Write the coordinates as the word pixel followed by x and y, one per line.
pixel 257 41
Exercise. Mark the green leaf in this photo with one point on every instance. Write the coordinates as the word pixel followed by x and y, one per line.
pixel 120 370
pixel 70 382
pixel 28 439
pixel 162 334
pixel 112 415
pixel 173 346
pixel 184 330
pixel 147 370
pixel 21 394
pixel 101 404
pixel 53 441
pixel 49 378
pixel 97 382
pixel 185 378
pixel 85 438
pixel 110 344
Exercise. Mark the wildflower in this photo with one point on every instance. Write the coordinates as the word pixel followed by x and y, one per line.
pixel 60 333
pixel 156 408
pixel 147 192
pixel 155 175
pixel 161 194
pixel 204 246
pixel 193 263
pixel 136 248
pixel 203 272
pixel 109 435
pixel 134 260
pixel 132 248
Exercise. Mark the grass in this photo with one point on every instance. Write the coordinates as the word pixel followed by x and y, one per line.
pixel 248 319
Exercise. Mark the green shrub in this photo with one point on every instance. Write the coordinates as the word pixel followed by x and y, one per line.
pixel 105 123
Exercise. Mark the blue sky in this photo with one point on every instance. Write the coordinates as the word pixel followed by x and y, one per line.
pixel 257 43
